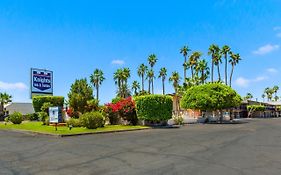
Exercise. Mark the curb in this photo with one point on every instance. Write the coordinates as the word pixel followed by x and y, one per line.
pixel 70 135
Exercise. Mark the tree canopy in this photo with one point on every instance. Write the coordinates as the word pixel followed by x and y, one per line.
pixel 211 96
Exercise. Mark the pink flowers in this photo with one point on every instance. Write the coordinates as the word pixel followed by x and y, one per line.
pixel 123 106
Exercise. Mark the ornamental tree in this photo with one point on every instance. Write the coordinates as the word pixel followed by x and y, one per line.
pixel 211 97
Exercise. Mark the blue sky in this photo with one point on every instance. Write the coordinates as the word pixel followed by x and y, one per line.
pixel 72 38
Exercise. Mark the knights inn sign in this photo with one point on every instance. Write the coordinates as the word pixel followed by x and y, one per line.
pixel 41 82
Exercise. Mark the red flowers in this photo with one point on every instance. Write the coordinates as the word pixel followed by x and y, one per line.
pixel 123 106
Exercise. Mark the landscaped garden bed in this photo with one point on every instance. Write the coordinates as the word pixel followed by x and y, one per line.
pixel 37 127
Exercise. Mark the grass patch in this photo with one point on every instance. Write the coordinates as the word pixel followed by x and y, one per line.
pixel 63 130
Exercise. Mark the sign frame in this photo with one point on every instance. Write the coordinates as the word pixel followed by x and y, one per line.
pixel 34 91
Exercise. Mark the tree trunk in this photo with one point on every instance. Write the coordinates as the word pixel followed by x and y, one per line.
pixel 218 66
pixel 191 72
pixel 225 70
pixel 163 85
pixel 184 69
pixel 98 92
pixel 152 86
pixel 142 81
pixel 149 85
pixel 230 80
pixel 221 116
pixel 202 77
pixel 212 71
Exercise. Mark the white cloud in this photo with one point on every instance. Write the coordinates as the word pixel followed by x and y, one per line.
pixel 118 62
pixel 244 82
pixel 277 28
pixel 266 49
pixel 272 70
pixel 12 86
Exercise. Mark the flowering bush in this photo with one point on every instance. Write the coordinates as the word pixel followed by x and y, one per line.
pixel 124 108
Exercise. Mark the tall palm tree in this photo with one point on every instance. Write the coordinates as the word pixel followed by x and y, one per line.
pixel 162 75
pixel 234 60
pixel 217 62
pixel 121 77
pixel 213 50
pixel 175 79
pixel 276 89
pixel 141 72
pixel 96 79
pixel 184 51
pixel 136 87
pixel 263 96
pixel 225 51
pixel 152 59
pixel 193 59
pixel 4 99
pixel 150 77
pixel 269 93
pixel 203 68
pixel 117 76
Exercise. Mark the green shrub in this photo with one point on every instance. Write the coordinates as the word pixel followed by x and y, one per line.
pixel 47 121
pixel 32 117
pixel 92 105
pixel 154 108
pixel 74 122
pixel 7 119
pixel 38 101
pixel 43 116
pixel 45 107
pixel 256 108
pixel 92 120
pixel 16 118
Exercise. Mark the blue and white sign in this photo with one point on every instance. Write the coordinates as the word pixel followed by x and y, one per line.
pixel 55 114
pixel 41 82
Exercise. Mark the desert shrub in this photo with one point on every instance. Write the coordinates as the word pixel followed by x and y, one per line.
pixel 74 122
pixel 47 121
pixel 92 120
pixel 178 119
pixel 154 108
pixel 32 117
pixel 16 118
pixel 38 101
pixel 43 116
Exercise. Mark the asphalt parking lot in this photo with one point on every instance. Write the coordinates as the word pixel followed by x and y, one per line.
pixel 251 148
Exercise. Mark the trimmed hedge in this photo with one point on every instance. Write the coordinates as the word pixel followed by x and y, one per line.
pixel 154 108
pixel 39 101
pixel 92 120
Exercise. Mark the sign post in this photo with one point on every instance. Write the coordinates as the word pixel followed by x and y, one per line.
pixel 55 114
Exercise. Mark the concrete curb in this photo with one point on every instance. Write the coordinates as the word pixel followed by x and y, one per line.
pixel 70 135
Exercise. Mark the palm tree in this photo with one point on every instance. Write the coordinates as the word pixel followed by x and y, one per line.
pixel 152 59
pixel 248 96
pixel 141 72
pixel 162 75
pixel 150 77
pixel 213 50
pixel 184 51
pixel 121 77
pixel 217 62
pixel 136 87
pixel 193 59
pixel 234 60
pixel 203 68
pixel 4 99
pixel 276 89
pixel 175 79
pixel 263 96
pixel 269 92
pixel 118 77
pixel 225 51
pixel 96 79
